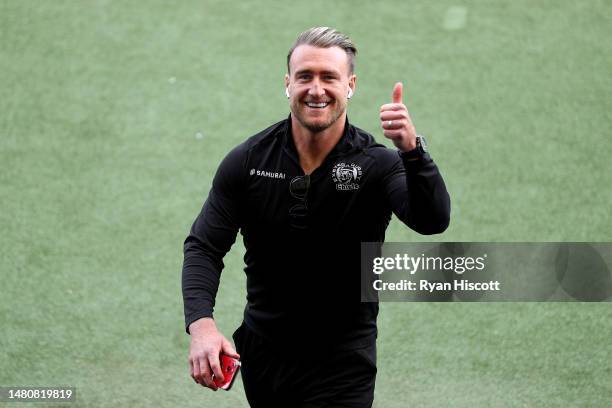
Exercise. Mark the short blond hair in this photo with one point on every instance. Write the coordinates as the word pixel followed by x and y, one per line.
pixel 326 37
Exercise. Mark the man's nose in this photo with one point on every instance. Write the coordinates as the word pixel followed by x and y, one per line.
pixel 316 89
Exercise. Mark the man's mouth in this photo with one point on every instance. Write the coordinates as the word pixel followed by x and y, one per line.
pixel 317 105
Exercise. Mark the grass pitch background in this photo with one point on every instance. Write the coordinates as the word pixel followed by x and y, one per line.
pixel 114 116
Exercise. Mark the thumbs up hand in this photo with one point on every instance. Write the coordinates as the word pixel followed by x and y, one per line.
pixel 396 122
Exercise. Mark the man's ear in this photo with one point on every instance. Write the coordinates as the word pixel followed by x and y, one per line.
pixel 286 80
pixel 353 83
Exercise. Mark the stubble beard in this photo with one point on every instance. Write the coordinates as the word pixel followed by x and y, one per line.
pixel 317 127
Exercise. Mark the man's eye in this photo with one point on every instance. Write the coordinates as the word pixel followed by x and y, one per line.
pixel 329 78
pixel 304 76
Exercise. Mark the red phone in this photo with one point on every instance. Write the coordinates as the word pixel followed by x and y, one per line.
pixel 230 367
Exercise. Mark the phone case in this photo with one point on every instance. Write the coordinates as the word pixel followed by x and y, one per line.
pixel 230 367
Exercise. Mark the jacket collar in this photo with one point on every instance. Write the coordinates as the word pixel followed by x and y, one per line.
pixel 344 145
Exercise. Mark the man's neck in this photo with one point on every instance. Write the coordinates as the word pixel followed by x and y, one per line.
pixel 313 147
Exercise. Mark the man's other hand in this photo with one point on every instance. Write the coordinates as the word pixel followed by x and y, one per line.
pixel 207 343
pixel 396 123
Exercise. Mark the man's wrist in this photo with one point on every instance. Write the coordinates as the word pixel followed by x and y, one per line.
pixel 418 152
pixel 202 325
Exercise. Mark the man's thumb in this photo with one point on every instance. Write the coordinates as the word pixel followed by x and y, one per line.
pixel 397 93
pixel 229 349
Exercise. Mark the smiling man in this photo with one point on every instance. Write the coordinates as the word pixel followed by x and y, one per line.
pixel 319 85
pixel 304 193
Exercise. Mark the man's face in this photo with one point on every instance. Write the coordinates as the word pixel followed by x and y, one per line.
pixel 318 82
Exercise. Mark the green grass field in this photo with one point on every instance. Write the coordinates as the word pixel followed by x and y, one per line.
pixel 114 116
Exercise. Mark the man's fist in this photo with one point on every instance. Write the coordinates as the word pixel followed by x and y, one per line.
pixel 396 122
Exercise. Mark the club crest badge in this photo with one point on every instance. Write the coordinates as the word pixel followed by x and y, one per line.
pixel 346 176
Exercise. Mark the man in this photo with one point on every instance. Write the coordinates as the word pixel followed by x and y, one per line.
pixel 304 194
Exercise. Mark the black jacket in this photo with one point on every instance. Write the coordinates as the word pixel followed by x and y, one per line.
pixel 304 283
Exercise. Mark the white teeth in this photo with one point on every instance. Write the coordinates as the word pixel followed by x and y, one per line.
pixel 317 105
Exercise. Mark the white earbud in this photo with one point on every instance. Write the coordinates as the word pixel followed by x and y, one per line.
pixel 287 92
pixel 350 94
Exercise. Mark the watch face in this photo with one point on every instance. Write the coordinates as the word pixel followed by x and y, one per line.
pixel 423 143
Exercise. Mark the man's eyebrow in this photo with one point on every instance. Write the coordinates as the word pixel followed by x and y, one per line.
pixel 310 71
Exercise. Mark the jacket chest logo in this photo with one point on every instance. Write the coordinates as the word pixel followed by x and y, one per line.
pixel 268 174
pixel 346 176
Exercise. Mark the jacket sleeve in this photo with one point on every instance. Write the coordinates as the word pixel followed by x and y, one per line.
pixel 416 192
pixel 211 237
